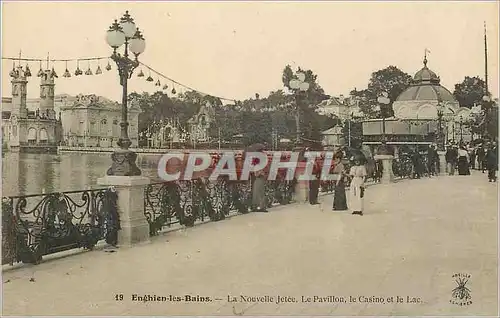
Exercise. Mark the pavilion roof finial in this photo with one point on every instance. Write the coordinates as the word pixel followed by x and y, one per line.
pixel 425 56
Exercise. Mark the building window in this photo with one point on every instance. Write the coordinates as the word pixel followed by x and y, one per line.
pixel 43 136
pixel 32 136
pixel 104 127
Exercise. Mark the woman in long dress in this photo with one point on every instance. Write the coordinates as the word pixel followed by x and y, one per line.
pixel 339 198
pixel 358 175
pixel 463 162
pixel 259 202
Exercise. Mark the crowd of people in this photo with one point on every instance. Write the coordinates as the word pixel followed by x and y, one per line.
pixel 459 158
pixel 464 157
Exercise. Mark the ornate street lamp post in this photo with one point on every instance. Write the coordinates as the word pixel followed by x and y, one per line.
pixel 125 33
pixel 461 119
pixel 298 87
pixel 440 110
pixel 486 109
pixel 383 103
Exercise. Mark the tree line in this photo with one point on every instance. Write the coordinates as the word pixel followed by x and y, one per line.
pixel 260 119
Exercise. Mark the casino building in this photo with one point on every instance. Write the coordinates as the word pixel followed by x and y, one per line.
pixel 425 112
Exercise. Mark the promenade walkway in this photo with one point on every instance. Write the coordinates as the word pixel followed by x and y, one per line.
pixel 414 236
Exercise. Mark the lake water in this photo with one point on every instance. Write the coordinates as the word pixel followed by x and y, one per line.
pixel 24 173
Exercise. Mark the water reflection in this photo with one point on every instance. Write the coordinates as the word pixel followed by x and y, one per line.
pixel 24 173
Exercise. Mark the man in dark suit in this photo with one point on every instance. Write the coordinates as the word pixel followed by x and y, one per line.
pixel 432 157
pixel 451 157
pixel 315 183
pixel 492 162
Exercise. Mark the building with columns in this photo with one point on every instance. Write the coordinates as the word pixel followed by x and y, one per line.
pixel 42 124
pixel 25 130
pixel 94 121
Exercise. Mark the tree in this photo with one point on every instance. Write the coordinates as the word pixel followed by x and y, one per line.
pixel 226 123
pixel 470 91
pixel 159 106
pixel 391 80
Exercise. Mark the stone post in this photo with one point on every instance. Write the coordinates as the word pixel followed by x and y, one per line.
pixel 130 190
pixel 442 163
pixel 387 173
pixel 301 193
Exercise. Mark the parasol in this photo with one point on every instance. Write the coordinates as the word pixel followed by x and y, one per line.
pixel 359 154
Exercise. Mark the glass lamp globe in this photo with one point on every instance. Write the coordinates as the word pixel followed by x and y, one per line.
pixel 486 98
pixel 383 100
pixel 294 84
pixel 137 44
pixel 304 86
pixel 115 36
pixel 128 25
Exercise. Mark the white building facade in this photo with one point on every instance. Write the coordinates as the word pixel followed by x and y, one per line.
pixel 94 121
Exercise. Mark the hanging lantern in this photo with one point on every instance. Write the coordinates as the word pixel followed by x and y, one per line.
pixel 98 71
pixel 158 83
pixel 174 91
pixel 40 72
pixel 78 71
pixel 88 71
pixel 165 87
pixel 108 67
pixel 53 73
pixel 141 74
pixel 66 72
pixel 149 79
pixel 28 71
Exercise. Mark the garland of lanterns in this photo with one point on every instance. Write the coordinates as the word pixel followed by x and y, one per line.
pixel 165 87
pixel 79 71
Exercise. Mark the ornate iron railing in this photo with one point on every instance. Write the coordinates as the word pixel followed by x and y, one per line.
pixel 42 224
pixel 188 202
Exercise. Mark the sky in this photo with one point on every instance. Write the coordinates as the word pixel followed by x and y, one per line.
pixel 238 49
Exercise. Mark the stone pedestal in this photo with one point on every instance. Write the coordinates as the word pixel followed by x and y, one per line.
pixel 442 163
pixel 130 190
pixel 387 173
pixel 301 194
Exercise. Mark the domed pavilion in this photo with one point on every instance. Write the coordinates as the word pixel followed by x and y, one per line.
pixel 420 100
pixel 416 120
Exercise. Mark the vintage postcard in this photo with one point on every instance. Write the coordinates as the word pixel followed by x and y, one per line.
pixel 250 158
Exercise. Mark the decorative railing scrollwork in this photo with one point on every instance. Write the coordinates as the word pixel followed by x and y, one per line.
pixel 42 224
pixel 186 202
